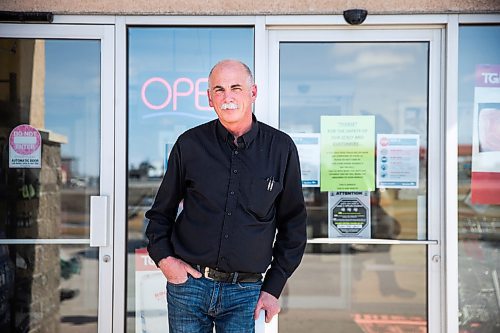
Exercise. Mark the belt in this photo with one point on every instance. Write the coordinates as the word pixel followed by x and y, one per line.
pixel 235 277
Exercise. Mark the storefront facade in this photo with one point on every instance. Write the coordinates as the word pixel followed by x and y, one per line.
pixel 92 102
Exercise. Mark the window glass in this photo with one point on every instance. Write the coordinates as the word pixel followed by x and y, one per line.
pixel 479 178
pixel 50 111
pixel 167 74
pixel 383 82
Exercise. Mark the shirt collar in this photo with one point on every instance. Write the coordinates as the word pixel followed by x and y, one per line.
pixel 248 137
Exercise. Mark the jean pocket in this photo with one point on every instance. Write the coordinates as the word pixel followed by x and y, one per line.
pixel 180 284
pixel 263 194
pixel 250 285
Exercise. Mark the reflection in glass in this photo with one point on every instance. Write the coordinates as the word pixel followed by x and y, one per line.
pixel 378 288
pixel 167 75
pixel 478 224
pixel 359 287
pixel 53 86
pixel 387 80
pixel 48 288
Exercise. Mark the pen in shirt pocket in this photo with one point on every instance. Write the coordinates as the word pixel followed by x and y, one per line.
pixel 270 183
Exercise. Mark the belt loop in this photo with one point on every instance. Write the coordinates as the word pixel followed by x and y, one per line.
pixel 235 277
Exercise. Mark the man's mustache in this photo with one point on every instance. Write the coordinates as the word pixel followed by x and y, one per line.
pixel 231 106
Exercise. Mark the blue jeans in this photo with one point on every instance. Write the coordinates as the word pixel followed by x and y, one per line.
pixel 197 304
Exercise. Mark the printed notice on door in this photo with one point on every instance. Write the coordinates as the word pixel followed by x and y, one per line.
pixel 25 147
pixel 347 153
pixel 349 214
pixel 150 295
pixel 398 160
pixel 308 149
pixel 485 178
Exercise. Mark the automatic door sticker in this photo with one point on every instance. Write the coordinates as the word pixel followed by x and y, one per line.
pixel 25 147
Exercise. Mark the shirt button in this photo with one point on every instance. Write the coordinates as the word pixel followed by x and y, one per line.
pixel 226 236
pixel 236 152
pixel 223 259
pixel 232 192
pixel 235 171
pixel 229 213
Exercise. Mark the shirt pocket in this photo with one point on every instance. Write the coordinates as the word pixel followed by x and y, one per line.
pixel 263 194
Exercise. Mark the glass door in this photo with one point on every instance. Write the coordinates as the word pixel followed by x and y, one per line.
pixel 167 83
pixel 56 178
pixel 364 109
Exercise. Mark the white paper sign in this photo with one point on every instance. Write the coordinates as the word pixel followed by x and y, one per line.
pixel 398 160
pixel 151 314
pixel 309 155
pixel 485 177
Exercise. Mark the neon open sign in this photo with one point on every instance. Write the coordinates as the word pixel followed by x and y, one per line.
pixel 182 87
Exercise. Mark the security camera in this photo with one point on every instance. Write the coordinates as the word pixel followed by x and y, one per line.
pixel 355 16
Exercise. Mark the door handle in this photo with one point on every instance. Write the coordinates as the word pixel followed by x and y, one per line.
pixel 374 241
pixel 98 220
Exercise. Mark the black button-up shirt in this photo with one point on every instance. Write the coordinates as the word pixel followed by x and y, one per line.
pixel 235 198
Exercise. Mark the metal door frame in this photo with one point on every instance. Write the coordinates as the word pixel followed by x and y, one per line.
pixel 436 133
pixel 105 34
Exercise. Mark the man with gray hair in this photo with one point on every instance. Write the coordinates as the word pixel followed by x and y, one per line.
pixel 244 214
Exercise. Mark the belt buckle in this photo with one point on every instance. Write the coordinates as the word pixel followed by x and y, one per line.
pixel 206 273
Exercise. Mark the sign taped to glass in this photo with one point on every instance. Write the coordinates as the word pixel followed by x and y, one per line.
pixel 485 182
pixel 25 147
pixel 398 160
pixel 347 153
pixel 349 214
pixel 150 298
